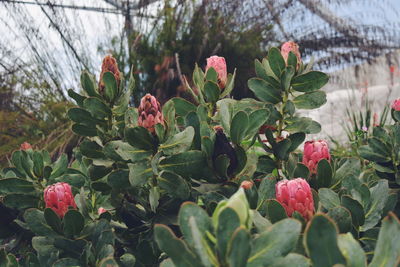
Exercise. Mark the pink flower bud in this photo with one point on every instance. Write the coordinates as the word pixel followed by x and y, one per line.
pixel 109 64
pixel 219 64
pixel 150 113
pixel 59 198
pixel 396 104
pixel 295 195
pixel 101 210
pixel 246 184
pixel 375 120
pixel 314 151
pixel 291 47
pixel 25 146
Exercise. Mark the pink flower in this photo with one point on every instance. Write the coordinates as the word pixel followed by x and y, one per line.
pixel 101 210
pixel 314 151
pixel 246 184
pixel 291 47
pixel 150 113
pixel 219 64
pixel 25 146
pixel 375 120
pixel 295 195
pixel 59 198
pixel 396 104
pixel 109 64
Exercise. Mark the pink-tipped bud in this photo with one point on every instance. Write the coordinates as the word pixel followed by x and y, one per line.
pixel 246 184
pixel 396 104
pixel 314 151
pixel 288 47
pixel 295 195
pixel 59 198
pixel 109 64
pixel 219 65
pixel 101 210
pixel 150 113
pixel 25 146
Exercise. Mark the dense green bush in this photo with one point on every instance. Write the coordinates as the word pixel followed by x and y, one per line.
pixel 204 183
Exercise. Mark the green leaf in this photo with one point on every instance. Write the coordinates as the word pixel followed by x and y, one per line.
pixel 301 171
pixel 140 173
pixel 182 106
pixel 275 211
pixel 140 137
pixel 127 260
pixel 280 239
pixel 36 222
pixel 352 251
pixel 84 130
pixel 212 75
pixel 81 116
pixel 379 196
pixel 229 85
pixel 320 241
pixel 178 143
pixel 328 198
pixel 91 149
pixel 256 120
pixel 186 164
pixel 287 76
pixel 387 251
pixel 324 174
pixel 97 108
pixel 16 185
pixel 38 163
pixel 175 248
pixel 296 139
pixel 239 126
pixel 292 60
pixel 342 217
pixel 53 220
pixel 111 87
pixel 260 71
pixel 66 262
pixel 175 185
pixel 264 91
pixel 355 208
pixel 88 84
pixel 211 91
pixel 369 154
pixel 310 81
pixel 77 97
pixel 276 61
pixel 20 201
pixel 310 100
pixel 228 222
pixel 266 164
pixel 119 179
pixel 239 248
pixel 125 151
pixel 73 223
pixel 303 124
pixel 292 259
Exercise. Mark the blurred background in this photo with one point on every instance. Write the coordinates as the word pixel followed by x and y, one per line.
pixel 44 46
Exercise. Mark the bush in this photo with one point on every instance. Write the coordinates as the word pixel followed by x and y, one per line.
pixel 216 182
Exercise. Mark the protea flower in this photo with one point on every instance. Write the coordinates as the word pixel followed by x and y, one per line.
pixel 101 210
pixel 25 146
pixel 314 151
pixel 59 198
pixel 291 47
pixel 219 64
pixel 246 184
pixel 150 113
pixel 109 64
pixel 295 195
pixel 396 105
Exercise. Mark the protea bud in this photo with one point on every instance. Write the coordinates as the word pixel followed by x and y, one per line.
pixel 223 147
pixel 396 105
pixel 246 184
pixel 150 113
pixel 25 146
pixel 295 195
pixel 111 65
pixel 288 47
pixel 219 65
pixel 101 210
pixel 314 151
pixel 59 198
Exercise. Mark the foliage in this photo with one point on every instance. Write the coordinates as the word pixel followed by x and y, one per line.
pixel 172 196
